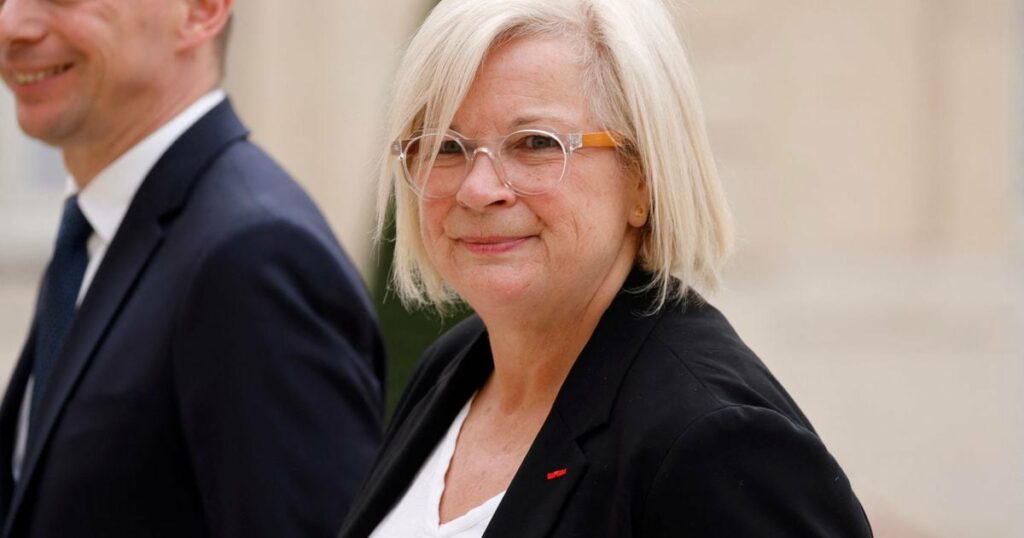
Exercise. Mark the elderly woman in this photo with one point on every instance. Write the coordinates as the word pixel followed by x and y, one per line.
pixel 550 168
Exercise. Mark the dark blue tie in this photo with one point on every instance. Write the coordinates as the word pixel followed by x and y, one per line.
pixel 58 295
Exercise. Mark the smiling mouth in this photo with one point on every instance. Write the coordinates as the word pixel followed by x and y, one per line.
pixel 492 245
pixel 35 77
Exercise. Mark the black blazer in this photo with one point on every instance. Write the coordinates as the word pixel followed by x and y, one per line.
pixel 667 425
pixel 223 374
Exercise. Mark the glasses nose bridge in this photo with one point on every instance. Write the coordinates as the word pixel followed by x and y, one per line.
pixel 482 147
pixel 486 148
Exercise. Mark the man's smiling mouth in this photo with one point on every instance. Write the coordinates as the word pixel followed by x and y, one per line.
pixel 33 77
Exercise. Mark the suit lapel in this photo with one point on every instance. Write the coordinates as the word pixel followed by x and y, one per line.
pixel 9 412
pixel 159 197
pixel 418 435
pixel 125 259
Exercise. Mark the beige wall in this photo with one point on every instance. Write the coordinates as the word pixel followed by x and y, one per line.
pixel 869 149
pixel 312 83
pixel 885 124
pixel 31 179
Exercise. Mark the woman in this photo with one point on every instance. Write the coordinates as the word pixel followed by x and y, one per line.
pixel 551 170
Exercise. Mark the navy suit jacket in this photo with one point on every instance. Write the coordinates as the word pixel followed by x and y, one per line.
pixel 223 376
pixel 667 425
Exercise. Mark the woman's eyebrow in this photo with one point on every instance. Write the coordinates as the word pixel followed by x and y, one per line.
pixel 526 120
pixel 535 118
pixel 546 119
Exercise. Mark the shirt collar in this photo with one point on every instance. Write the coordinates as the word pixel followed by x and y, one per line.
pixel 105 200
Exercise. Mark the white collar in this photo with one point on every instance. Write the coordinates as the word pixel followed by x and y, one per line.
pixel 105 200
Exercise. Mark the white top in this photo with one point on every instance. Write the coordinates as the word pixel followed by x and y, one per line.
pixel 418 513
pixel 104 202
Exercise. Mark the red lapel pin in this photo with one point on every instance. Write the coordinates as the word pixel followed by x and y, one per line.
pixel 557 474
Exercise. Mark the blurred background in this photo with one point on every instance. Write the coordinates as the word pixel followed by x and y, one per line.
pixel 873 154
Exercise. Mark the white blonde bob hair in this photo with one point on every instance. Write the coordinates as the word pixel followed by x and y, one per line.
pixel 640 85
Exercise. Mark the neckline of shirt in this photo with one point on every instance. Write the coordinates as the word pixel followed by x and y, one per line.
pixel 481 513
pixel 105 200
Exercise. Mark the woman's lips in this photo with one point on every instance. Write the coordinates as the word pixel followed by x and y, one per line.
pixel 492 245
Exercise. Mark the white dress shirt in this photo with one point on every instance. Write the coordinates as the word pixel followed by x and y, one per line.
pixel 418 512
pixel 104 202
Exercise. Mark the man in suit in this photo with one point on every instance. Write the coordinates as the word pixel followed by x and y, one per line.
pixel 203 360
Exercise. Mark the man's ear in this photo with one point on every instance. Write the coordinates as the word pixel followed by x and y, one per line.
pixel 201 21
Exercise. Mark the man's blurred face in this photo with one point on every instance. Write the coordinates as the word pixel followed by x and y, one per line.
pixel 82 69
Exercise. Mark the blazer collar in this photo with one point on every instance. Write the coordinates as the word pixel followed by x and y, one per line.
pixel 160 197
pixel 106 199
pixel 555 461
pixel 586 398
pixel 167 186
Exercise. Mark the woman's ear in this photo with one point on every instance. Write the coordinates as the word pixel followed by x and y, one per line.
pixel 640 212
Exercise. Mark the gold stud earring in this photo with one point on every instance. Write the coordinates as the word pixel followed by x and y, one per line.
pixel 639 211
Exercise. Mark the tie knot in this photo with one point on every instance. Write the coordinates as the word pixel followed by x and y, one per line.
pixel 74 227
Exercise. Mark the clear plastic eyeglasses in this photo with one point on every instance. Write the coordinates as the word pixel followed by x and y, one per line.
pixel 529 162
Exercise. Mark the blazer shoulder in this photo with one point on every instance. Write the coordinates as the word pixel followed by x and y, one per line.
pixel 244 192
pixel 691 366
pixel 744 471
pixel 717 438
pixel 243 180
pixel 694 344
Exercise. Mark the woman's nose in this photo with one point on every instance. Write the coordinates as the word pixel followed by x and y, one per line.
pixel 484 187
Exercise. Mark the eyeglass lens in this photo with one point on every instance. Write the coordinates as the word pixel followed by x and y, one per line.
pixel 530 162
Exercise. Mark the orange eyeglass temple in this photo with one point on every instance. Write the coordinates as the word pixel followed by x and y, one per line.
pixel 601 139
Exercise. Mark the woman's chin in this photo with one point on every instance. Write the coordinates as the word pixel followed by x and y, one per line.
pixel 488 288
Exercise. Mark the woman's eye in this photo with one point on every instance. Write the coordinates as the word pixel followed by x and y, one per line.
pixel 449 147
pixel 539 142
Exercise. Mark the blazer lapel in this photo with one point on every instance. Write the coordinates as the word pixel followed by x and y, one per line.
pixel 549 473
pixel 557 459
pixel 418 435
pixel 162 193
